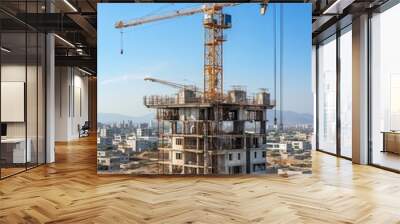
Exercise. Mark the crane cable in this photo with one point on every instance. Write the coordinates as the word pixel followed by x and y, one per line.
pixel 281 68
pixel 274 37
pixel 149 14
pixel 159 9
pixel 122 41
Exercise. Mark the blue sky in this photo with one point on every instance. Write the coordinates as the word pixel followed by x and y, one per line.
pixel 173 50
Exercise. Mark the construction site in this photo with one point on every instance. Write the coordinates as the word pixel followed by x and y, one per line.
pixel 201 137
pixel 208 130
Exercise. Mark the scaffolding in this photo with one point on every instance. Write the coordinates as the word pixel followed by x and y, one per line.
pixel 201 137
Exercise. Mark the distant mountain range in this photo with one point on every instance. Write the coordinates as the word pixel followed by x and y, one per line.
pixel 289 117
pixel 113 117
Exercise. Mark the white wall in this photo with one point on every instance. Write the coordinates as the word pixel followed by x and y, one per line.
pixel 33 126
pixel 16 73
pixel 71 102
pixel 12 73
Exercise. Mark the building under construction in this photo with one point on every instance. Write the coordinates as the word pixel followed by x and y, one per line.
pixel 208 131
pixel 219 137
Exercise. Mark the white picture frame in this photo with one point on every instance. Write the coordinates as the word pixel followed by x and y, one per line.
pixel 12 101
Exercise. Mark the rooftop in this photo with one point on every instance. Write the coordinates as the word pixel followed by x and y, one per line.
pixel 188 98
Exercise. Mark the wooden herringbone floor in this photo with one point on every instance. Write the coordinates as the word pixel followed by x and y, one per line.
pixel 69 191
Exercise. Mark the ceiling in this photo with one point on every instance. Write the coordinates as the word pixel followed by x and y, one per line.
pixel 329 16
pixel 75 23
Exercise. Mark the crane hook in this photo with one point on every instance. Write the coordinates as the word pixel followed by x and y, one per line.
pixel 122 42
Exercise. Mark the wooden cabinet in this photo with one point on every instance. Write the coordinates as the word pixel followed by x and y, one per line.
pixel 391 142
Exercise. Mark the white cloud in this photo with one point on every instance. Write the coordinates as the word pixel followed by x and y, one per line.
pixel 139 74
pixel 121 78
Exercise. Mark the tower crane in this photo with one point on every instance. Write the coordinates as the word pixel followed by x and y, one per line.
pixel 214 23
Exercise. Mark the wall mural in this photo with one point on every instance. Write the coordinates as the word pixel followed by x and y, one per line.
pixel 177 96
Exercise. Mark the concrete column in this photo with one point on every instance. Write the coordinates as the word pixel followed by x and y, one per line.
pixel 184 159
pixel 170 163
pixel 63 102
pixel 360 90
pixel 197 163
pixel 197 149
pixel 92 100
pixel 50 98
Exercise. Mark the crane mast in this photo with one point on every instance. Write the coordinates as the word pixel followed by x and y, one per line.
pixel 215 21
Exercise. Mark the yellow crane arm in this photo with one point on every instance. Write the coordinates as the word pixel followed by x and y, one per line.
pixel 177 13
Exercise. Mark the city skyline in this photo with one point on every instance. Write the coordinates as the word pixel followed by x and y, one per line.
pixel 179 58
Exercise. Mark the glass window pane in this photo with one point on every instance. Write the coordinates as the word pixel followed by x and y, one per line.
pixel 327 95
pixel 31 97
pixel 13 86
pixel 23 90
pixel 386 89
pixel 346 94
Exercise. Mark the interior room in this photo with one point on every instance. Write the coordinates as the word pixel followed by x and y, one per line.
pixel 51 168
pixel 29 102
pixel 22 99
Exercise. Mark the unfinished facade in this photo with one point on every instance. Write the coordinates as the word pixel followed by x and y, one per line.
pixel 220 137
